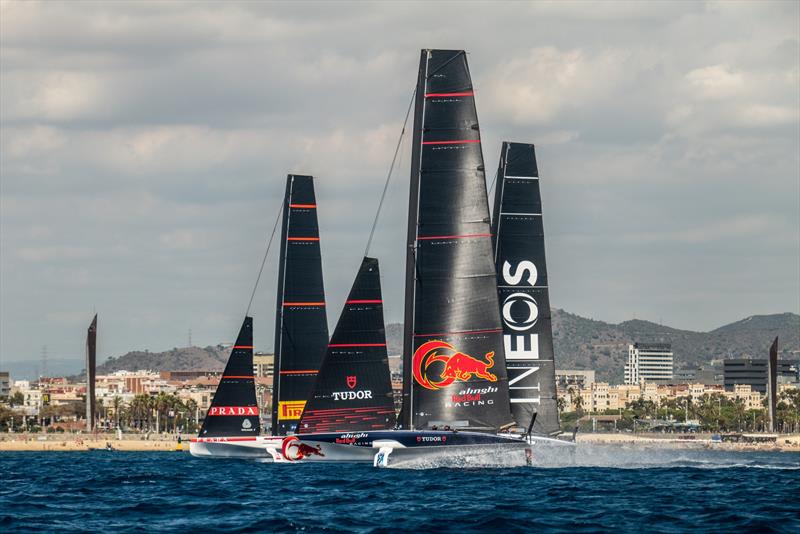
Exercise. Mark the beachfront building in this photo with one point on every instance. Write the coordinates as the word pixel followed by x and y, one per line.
pixel 649 362
pixel 580 378
pixel 753 372
pixel 5 384
pixel 263 364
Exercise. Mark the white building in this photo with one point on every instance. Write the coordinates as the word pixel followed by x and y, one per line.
pixel 649 362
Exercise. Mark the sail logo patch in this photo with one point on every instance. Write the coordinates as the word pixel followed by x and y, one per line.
pixel 232 410
pixel 458 366
pixel 351 381
pixel 290 410
pixel 522 349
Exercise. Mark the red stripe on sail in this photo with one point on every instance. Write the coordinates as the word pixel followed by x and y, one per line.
pixel 243 346
pixel 300 372
pixel 428 238
pixel 364 301
pixel 302 239
pixel 465 332
pixel 237 376
pixel 304 304
pixel 302 205
pixel 340 345
pixel 459 142
pixel 465 93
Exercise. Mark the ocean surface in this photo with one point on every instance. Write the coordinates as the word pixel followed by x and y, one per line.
pixel 609 489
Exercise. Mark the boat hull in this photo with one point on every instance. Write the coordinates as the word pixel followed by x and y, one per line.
pixel 399 448
pixel 264 448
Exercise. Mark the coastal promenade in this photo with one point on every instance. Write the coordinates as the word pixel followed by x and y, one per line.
pixel 83 442
pixel 784 442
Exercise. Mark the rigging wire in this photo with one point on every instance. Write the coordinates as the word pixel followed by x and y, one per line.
pixel 491 187
pixel 389 175
pixel 264 260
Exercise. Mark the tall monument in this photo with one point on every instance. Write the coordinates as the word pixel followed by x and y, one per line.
pixel 91 364
pixel 772 383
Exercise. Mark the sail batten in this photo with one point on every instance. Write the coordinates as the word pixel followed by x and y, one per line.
pixel 301 327
pixel 454 365
pixel 234 408
pixel 523 288
pixel 353 391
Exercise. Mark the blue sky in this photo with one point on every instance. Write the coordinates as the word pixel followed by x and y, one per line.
pixel 145 147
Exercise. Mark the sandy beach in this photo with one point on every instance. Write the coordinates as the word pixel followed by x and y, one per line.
pixel 86 443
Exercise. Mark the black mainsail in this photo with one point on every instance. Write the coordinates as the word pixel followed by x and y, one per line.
pixel 353 391
pixel 234 410
pixel 454 368
pixel 91 370
pixel 301 324
pixel 522 286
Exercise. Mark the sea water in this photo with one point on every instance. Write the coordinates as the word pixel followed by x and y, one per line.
pixel 601 489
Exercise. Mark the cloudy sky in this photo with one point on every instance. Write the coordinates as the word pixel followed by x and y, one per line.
pixel 144 148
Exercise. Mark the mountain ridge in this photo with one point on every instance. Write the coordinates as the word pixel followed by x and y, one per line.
pixel 580 343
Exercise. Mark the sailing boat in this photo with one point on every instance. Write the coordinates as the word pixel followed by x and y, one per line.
pixel 353 391
pixel 301 337
pixel 301 324
pixel 232 426
pixel 455 387
pixel 522 286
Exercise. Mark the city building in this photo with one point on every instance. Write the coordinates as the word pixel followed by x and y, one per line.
pixel 699 375
pixel 263 364
pixel 649 362
pixel 753 372
pixel 5 384
pixel 582 378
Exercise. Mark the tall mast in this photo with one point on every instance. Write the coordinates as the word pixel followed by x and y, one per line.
pixel 301 327
pixel 411 243
pixel 453 362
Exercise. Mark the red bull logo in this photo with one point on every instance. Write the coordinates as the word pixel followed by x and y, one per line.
pixel 293 449
pixel 457 365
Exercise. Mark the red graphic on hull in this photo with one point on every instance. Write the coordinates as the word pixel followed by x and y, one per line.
pixel 457 365
pixel 293 449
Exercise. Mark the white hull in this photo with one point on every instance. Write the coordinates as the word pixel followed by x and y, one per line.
pixel 264 448
pixel 409 449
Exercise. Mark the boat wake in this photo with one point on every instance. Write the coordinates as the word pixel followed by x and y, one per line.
pixel 593 455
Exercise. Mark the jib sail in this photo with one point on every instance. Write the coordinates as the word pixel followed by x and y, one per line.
pixel 454 367
pixel 522 287
pixel 234 410
pixel 353 391
pixel 301 324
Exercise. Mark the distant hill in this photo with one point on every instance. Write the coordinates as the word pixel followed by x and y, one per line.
pixel 177 359
pixel 580 343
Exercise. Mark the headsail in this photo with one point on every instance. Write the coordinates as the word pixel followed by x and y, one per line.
pixel 454 368
pixel 353 391
pixel 91 369
pixel 234 410
pixel 522 285
pixel 301 324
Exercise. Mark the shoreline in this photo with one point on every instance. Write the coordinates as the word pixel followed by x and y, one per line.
pixel 77 443
pixel 784 442
pixel 130 443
